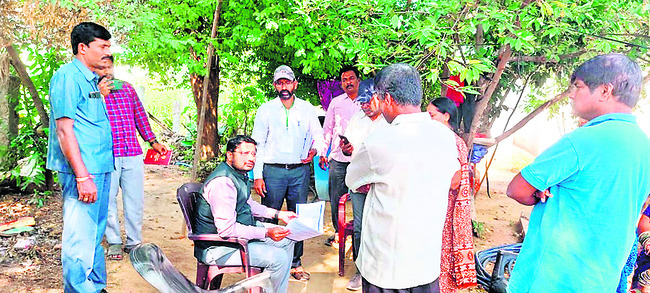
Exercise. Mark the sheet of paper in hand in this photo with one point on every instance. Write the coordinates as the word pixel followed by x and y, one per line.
pixel 154 158
pixel 306 146
pixel 309 222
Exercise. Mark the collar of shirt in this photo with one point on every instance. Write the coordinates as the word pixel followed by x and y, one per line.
pixel 89 75
pixel 612 116
pixel 277 102
pixel 413 117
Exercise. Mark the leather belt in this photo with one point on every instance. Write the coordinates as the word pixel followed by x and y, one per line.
pixel 285 166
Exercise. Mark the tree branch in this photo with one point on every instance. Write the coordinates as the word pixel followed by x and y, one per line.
pixel 505 52
pixel 543 59
pixel 478 38
pixel 532 115
pixel 27 82
pixel 162 125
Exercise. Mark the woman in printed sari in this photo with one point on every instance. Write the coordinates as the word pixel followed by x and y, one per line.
pixel 457 268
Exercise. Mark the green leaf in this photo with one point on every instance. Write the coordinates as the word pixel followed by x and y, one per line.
pixel 395 21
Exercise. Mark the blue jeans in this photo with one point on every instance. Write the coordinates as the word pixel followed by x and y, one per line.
pixel 292 184
pixel 128 176
pixel 82 255
pixel 274 257
pixel 358 200
pixel 337 188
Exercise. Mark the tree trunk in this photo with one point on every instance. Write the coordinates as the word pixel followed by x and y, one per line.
pixel 504 57
pixel 27 82
pixel 210 134
pixel 9 94
pixel 444 75
pixel 485 98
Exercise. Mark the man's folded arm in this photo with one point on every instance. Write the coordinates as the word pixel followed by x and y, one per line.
pixel 520 190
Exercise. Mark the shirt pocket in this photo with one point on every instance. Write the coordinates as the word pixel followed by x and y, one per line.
pixel 93 108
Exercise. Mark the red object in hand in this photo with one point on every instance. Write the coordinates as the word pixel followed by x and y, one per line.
pixel 154 158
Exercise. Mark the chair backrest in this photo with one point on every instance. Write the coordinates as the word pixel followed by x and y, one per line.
pixel 321 181
pixel 186 195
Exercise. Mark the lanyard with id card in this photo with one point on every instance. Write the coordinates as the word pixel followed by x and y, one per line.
pixel 286 144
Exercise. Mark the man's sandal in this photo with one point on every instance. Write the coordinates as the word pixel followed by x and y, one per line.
pixel 128 248
pixel 114 252
pixel 300 274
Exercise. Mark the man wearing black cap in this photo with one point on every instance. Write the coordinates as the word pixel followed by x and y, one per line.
pixel 288 134
pixel 364 121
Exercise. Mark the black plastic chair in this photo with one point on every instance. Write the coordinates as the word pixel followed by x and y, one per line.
pixel 210 276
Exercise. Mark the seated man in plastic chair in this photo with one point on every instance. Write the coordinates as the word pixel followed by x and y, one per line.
pixel 225 208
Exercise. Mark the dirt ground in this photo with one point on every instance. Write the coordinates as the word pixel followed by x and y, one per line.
pixel 38 270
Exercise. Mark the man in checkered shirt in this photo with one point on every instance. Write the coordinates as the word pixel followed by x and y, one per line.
pixel 127 116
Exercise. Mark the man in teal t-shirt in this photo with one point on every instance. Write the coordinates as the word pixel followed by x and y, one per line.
pixel 598 177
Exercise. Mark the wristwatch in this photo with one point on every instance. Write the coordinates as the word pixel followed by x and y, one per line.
pixel 151 143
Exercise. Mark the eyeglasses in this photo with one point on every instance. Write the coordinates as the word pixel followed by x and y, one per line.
pixel 284 82
pixel 251 153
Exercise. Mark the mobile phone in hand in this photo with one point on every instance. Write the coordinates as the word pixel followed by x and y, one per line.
pixel 117 84
pixel 344 139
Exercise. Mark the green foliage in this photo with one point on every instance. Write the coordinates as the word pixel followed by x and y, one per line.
pixel 239 112
pixel 478 228
pixel 186 146
pixel 317 37
pixel 25 158
pixel 39 198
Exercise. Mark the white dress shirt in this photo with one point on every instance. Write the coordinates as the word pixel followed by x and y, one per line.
pixel 284 135
pixel 338 114
pixel 359 126
pixel 409 164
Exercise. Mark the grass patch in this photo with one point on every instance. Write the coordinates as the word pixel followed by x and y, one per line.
pixel 478 228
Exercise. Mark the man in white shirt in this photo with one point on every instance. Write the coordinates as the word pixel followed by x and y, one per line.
pixel 338 114
pixel 409 165
pixel 363 122
pixel 288 134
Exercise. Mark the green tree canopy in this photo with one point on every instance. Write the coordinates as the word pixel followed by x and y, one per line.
pixel 441 38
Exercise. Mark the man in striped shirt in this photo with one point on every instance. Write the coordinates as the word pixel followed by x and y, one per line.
pixel 127 116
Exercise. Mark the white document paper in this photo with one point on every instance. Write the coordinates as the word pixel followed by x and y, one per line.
pixel 309 222
pixel 306 146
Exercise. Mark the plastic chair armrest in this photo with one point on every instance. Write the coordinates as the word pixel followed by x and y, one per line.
pixel 242 243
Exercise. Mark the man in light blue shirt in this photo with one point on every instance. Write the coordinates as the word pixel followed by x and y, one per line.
pixel 598 177
pixel 80 149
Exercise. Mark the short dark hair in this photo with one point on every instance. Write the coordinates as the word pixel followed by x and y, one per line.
pixel 616 69
pixel 234 142
pixel 349 68
pixel 85 33
pixel 402 82
pixel 446 105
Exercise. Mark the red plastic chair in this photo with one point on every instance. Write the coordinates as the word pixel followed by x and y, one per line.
pixel 345 230
pixel 210 276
